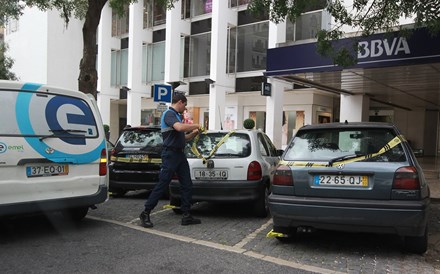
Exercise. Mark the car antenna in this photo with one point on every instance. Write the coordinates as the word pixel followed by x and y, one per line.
pixel 220 117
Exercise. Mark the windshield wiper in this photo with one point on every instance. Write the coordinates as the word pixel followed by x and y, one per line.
pixel 345 157
pixel 57 131
pixel 226 155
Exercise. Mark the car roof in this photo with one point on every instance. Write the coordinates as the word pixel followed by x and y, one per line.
pixel 349 125
pixel 235 130
pixel 141 128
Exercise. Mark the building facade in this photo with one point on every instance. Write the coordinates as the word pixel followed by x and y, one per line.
pixel 214 51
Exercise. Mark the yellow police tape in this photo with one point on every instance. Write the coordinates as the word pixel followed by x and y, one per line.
pixel 273 234
pixel 394 142
pixel 196 151
pixel 136 160
pixel 169 207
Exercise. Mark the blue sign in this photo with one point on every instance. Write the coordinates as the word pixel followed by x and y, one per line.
pixel 162 93
pixel 377 50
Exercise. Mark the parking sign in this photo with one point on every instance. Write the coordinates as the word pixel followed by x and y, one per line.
pixel 162 93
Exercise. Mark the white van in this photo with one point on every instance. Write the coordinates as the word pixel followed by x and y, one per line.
pixel 53 153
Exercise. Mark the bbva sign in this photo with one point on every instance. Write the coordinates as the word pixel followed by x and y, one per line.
pixel 381 47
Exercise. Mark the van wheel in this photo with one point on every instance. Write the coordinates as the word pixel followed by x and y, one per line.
pixel 76 214
pixel 261 206
pixel 418 244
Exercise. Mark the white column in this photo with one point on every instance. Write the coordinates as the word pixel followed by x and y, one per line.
pixel 275 102
pixel 135 64
pixel 221 15
pixel 354 108
pixel 172 44
pixel 104 63
pixel 216 106
pixel 274 110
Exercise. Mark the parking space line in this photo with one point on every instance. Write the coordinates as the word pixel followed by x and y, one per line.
pixel 152 214
pixel 235 249
pixel 252 236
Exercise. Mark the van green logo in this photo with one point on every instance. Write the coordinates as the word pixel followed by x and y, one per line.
pixel 16 147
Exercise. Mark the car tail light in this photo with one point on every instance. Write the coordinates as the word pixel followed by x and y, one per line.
pixel 283 176
pixel 254 171
pixel 103 163
pixel 406 178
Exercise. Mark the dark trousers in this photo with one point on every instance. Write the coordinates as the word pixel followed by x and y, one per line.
pixel 173 162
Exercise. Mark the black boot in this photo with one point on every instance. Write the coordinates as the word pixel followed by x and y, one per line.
pixel 145 219
pixel 187 219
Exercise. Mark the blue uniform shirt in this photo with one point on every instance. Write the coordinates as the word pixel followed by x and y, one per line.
pixel 171 137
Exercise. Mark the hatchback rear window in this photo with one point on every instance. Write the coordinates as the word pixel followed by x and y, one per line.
pixel 140 138
pixel 236 145
pixel 329 144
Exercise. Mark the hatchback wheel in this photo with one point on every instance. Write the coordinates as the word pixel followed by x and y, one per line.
pixel 418 244
pixel 261 206
pixel 176 202
pixel 118 192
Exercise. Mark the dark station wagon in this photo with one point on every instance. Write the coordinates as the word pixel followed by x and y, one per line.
pixel 353 177
pixel 136 159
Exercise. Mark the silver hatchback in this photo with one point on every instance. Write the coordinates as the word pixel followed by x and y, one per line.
pixel 231 166
pixel 354 177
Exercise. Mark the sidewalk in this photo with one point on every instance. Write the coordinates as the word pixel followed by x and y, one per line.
pixel 431 169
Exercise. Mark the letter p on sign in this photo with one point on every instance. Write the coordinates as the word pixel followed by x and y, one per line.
pixel 162 93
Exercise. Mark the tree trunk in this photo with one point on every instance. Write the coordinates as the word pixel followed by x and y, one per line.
pixel 88 76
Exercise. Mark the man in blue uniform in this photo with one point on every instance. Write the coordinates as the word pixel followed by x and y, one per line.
pixel 174 134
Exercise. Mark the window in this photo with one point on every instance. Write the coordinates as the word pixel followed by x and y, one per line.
pixel 120 24
pixel 198 52
pixel 199 7
pixel 11 25
pixel 249 52
pixel 119 67
pixel 154 14
pixel 155 61
pixel 306 26
pixel 332 143
pixel 236 3
pixel 236 146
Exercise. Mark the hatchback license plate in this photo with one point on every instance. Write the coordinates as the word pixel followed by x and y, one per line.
pixel 211 174
pixel 341 180
pixel 47 170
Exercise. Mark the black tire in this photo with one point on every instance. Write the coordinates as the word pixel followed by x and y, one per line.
pixel 76 214
pixel 261 205
pixel 176 202
pixel 289 233
pixel 417 244
pixel 118 192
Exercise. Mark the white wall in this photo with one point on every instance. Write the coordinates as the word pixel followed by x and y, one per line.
pixel 28 47
pixel 65 51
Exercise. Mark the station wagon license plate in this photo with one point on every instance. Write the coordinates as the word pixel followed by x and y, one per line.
pixel 47 170
pixel 211 174
pixel 341 180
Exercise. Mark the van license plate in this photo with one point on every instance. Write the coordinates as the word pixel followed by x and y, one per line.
pixel 209 174
pixel 47 170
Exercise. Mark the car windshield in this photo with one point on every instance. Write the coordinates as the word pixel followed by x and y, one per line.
pixel 140 138
pixel 236 145
pixel 340 144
